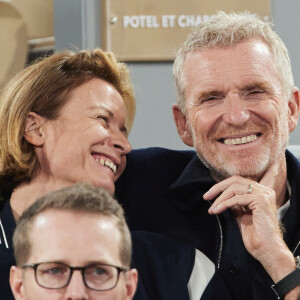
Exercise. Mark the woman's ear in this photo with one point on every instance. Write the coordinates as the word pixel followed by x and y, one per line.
pixel 33 129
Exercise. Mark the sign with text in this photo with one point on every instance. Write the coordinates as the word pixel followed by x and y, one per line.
pixel 148 30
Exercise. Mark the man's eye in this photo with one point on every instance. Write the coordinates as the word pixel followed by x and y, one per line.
pixel 210 98
pixel 256 92
pixel 54 271
pixel 99 271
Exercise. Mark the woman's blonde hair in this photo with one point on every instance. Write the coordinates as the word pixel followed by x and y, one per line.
pixel 44 88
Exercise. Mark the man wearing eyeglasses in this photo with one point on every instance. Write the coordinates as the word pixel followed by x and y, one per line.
pixel 73 245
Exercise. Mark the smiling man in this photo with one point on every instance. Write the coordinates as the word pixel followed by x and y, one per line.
pixel 73 244
pixel 236 105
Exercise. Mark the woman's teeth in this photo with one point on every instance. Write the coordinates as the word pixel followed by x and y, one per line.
pixel 239 141
pixel 107 163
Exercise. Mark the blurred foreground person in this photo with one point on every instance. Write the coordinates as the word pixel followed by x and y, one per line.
pixel 73 244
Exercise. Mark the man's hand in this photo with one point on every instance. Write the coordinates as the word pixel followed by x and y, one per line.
pixel 254 205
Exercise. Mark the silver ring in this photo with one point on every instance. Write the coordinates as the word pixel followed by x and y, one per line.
pixel 250 188
pixel 244 209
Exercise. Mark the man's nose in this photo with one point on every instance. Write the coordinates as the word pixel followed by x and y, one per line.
pixel 236 112
pixel 76 289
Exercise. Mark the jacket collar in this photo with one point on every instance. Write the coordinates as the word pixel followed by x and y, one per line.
pixel 194 173
pixel 186 192
pixel 291 220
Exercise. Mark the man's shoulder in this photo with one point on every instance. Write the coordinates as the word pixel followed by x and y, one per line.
pixel 152 171
pixel 293 164
pixel 158 165
pixel 156 155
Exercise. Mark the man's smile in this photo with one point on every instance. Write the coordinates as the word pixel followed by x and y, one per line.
pixel 241 140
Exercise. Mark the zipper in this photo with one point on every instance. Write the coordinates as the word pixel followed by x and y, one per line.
pixel 296 248
pixel 4 236
pixel 221 241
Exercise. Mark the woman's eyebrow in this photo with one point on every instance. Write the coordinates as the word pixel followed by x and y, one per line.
pixel 102 108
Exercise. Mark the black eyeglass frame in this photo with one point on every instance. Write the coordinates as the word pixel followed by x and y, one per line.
pixel 72 269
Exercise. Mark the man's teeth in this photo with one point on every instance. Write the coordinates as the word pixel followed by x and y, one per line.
pixel 108 163
pixel 243 140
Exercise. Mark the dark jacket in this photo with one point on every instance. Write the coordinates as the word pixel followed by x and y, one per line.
pixel 164 265
pixel 161 191
pixel 7 227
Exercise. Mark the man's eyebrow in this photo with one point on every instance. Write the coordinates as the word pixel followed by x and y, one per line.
pixel 87 263
pixel 208 93
pixel 258 85
pixel 98 262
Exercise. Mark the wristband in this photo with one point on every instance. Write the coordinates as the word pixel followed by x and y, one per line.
pixel 288 283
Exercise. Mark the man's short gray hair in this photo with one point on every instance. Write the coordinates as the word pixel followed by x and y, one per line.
pixel 229 29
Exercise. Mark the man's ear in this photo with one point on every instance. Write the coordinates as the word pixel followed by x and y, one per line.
pixel 131 283
pixel 182 126
pixel 16 282
pixel 33 129
pixel 294 104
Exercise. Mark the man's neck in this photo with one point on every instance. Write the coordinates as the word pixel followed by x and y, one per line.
pixel 282 195
pixel 279 182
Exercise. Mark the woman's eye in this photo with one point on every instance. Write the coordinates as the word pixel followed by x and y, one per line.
pixel 103 118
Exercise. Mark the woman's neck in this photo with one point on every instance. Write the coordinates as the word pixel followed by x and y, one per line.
pixel 27 193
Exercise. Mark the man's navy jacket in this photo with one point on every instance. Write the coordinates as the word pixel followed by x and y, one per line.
pixel 162 191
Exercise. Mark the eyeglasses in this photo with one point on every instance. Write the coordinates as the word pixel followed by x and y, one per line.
pixel 53 275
